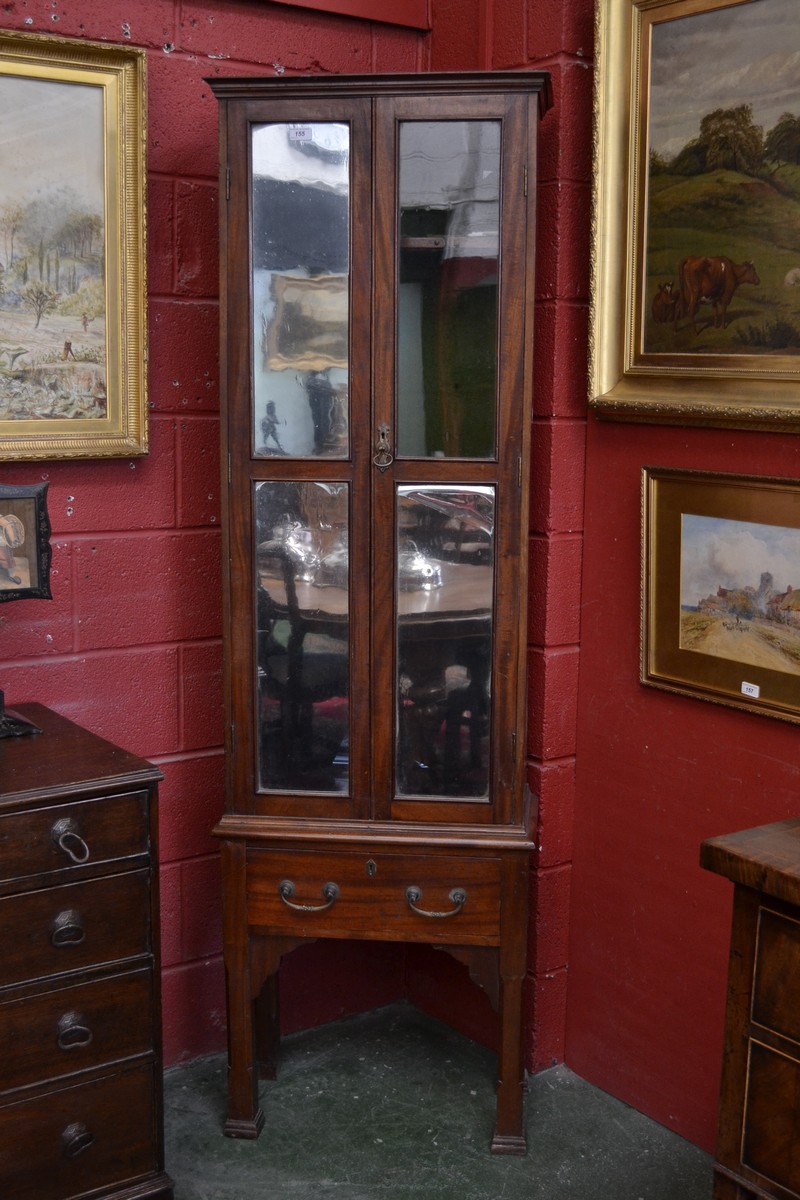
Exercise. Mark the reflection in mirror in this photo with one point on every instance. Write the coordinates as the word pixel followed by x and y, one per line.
pixel 302 630
pixel 300 256
pixel 449 218
pixel 445 602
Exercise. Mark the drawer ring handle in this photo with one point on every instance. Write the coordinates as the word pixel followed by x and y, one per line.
pixel 67 929
pixel 286 890
pixel 383 453
pixel 72 1034
pixel 75 1139
pixel 66 836
pixel 457 895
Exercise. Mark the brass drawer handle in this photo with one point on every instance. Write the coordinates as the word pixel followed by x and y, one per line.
pixel 66 836
pixel 457 895
pixel 286 890
pixel 72 1034
pixel 75 1139
pixel 67 929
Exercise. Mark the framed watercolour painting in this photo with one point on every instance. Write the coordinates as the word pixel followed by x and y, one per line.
pixel 72 249
pixel 721 589
pixel 696 224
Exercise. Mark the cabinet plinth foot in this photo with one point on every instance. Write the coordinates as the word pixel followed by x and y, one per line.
pixel 238 1128
pixel 503 1143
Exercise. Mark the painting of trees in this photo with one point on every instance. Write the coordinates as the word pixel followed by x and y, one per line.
pixel 782 143
pixel 731 190
pixel 732 140
pixel 52 263
pixel 40 298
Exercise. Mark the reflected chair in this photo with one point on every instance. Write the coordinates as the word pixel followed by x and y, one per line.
pixel 302 664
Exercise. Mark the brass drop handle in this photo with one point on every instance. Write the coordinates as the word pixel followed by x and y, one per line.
pixel 457 895
pixel 72 1033
pixel 66 835
pixel 383 452
pixel 75 1139
pixel 286 890
pixel 67 929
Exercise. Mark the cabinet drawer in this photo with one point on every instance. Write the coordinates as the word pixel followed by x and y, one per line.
pixel 68 837
pixel 410 897
pixel 77 1139
pixel 74 926
pixel 54 1034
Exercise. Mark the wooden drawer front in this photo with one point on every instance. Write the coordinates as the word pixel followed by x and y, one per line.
pixel 72 1141
pixel 776 988
pixel 771 1116
pixel 372 899
pixel 53 1034
pixel 74 926
pixel 72 836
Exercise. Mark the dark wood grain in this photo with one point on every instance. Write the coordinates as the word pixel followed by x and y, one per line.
pixel 110 828
pixel 116 1111
pixel 109 1020
pixel 63 759
pixel 372 902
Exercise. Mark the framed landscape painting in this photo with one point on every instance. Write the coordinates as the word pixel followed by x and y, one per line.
pixel 721 589
pixel 696 237
pixel 72 249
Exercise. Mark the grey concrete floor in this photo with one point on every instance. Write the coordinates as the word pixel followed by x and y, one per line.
pixel 393 1105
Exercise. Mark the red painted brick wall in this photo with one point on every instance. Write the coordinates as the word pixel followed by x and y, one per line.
pixel 558 38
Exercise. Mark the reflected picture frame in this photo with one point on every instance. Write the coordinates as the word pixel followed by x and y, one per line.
pixel 721 589
pixel 663 349
pixel 309 330
pixel 25 553
pixel 73 328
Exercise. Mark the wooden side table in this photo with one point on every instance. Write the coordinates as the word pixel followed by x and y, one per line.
pixel 758 1142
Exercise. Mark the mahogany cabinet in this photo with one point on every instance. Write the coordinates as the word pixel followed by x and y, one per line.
pixel 80 1015
pixel 758 1143
pixel 377 293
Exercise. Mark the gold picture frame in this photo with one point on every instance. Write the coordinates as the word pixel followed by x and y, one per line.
pixel 73 340
pixel 677 336
pixel 721 589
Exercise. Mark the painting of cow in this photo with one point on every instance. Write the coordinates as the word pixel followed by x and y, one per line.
pixel 722 201
pixel 666 306
pixel 711 280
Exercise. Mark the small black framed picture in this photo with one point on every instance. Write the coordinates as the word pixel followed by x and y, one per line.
pixel 25 552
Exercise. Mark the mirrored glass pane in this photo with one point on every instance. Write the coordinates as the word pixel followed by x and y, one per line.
pixel 445 602
pixel 302 630
pixel 300 256
pixel 449 219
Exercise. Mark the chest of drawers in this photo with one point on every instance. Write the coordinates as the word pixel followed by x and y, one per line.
pixel 80 1018
pixel 758 1139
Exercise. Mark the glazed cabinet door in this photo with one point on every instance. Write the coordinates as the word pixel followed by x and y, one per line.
pixel 297 311
pixel 377 335
pixel 449 361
